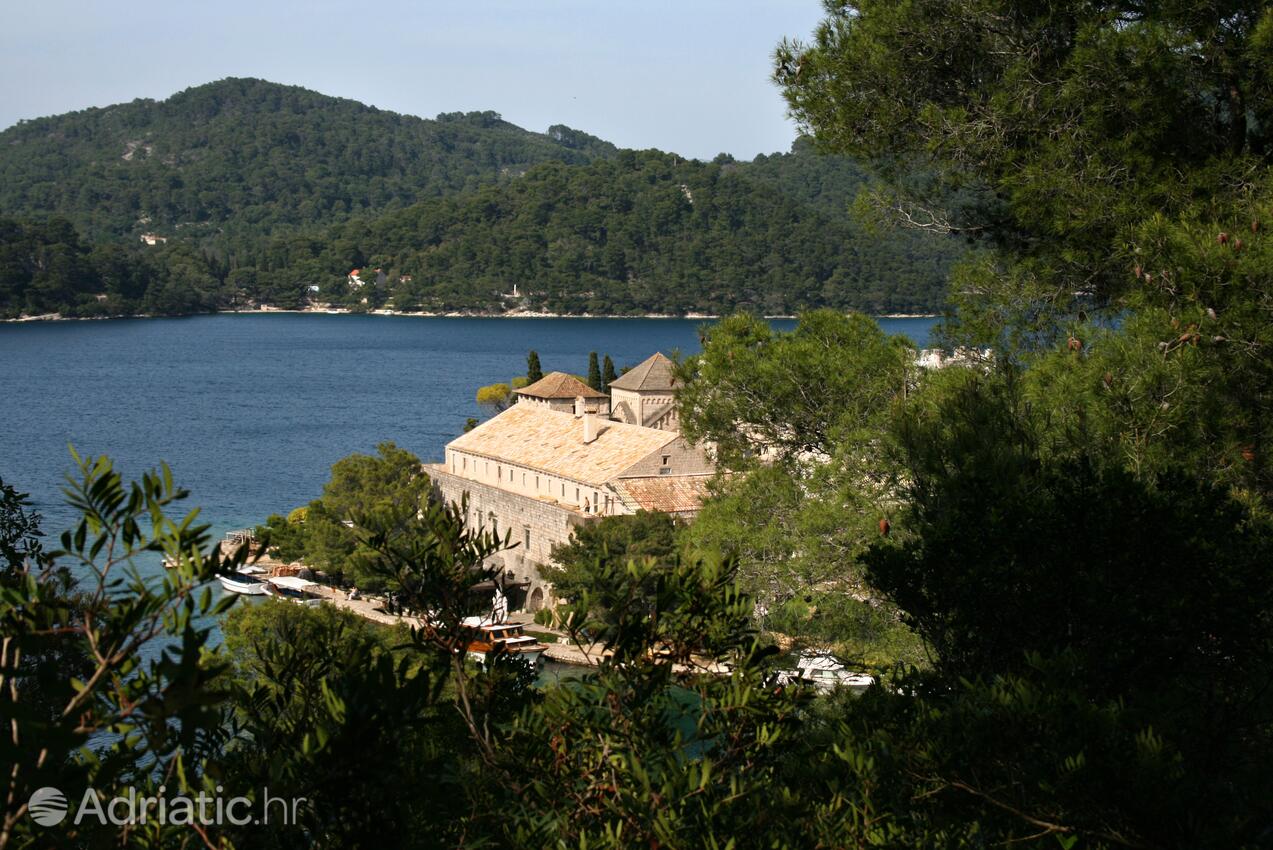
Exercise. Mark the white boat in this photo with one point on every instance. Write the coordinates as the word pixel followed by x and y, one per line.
pixel 242 583
pixel 487 639
pixel 293 589
pixel 823 671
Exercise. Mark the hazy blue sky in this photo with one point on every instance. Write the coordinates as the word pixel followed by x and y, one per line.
pixel 690 76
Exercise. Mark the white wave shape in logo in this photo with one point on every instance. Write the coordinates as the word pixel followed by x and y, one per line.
pixel 47 806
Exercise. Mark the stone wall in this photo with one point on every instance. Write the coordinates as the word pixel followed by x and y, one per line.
pixel 529 483
pixel 682 459
pixel 541 522
pixel 599 406
pixel 641 403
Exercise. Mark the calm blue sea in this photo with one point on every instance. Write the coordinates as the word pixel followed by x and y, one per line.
pixel 251 411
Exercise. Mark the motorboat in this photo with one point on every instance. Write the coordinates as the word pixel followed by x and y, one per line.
pixel 487 639
pixel 293 589
pixel 825 672
pixel 243 583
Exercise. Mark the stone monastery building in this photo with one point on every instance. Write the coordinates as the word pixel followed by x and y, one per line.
pixel 565 455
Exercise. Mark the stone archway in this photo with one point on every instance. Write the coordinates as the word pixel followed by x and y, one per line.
pixel 536 600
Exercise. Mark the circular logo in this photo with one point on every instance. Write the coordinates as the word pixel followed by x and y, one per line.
pixel 47 806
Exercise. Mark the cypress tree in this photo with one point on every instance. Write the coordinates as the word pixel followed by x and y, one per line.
pixel 533 370
pixel 594 371
pixel 607 374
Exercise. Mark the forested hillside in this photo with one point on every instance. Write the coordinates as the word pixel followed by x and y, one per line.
pixel 254 193
pixel 46 267
pixel 830 183
pixel 242 157
pixel 643 232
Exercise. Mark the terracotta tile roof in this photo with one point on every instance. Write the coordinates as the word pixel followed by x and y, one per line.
pixel 666 493
pixel 560 385
pixel 653 373
pixel 536 437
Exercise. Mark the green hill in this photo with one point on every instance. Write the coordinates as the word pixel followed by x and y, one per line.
pixel 262 191
pixel 641 232
pixel 238 159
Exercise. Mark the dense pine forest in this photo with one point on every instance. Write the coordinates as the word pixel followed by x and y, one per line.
pixel 254 193
pixel 241 158
pixel 642 232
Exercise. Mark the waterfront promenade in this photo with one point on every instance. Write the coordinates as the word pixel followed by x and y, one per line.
pixel 559 648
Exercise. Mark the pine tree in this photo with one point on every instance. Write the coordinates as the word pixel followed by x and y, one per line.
pixel 533 370
pixel 594 371
pixel 607 374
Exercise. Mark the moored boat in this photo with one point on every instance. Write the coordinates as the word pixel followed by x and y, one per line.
pixel 824 672
pixel 242 583
pixel 293 589
pixel 489 639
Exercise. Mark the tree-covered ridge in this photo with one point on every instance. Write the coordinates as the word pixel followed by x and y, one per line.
pixel 640 232
pixel 273 189
pixel 48 267
pixel 830 183
pixel 233 160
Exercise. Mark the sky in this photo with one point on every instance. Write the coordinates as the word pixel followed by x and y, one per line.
pixel 690 76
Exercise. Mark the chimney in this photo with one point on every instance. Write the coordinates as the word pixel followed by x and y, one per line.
pixel 589 428
pixel 578 405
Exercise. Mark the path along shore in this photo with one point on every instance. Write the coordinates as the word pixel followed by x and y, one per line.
pixel 566 653
pixel 561 649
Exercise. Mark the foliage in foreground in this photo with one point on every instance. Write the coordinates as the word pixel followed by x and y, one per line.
pixel 320 534
pixel 1119 717
pixel 128 676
